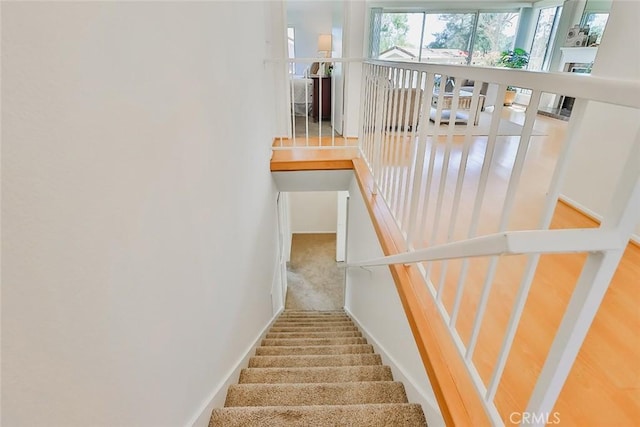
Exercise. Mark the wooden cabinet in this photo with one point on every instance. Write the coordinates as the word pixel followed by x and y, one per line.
pixel 321 98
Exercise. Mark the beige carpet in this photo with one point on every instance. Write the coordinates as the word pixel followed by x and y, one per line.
pixel 315 282
pixel 314 368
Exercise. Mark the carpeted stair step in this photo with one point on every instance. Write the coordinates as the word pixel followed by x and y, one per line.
pixel 353 393
pixel 313 341
pixel 306 321
pixel 304 326
pixel 320 349
pixel 371 415
pixel 311 313
pixel 315 328
pixel 330 334
pixel 311 322
pixel 314 360
pixel 316 316
pixel 315 369
pixel 323 374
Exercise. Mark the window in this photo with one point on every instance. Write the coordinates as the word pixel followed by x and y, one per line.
pixel 496 32
pixel 545 32
pixel 291 48
pixel 448 38
pixel 596 22
pixel 400 35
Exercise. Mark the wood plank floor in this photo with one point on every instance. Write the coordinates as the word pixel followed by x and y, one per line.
pixel 296 159
pixel 603 388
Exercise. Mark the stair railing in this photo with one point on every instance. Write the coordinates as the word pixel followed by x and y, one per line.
pixel 423 170
pixel 310 114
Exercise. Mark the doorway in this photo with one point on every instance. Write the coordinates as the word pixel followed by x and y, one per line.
pixel 315 273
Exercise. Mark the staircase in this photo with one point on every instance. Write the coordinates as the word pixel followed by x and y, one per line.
pixel 315 369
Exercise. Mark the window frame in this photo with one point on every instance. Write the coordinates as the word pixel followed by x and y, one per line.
pixel 587 13
pixel 548 53
pixel 375 39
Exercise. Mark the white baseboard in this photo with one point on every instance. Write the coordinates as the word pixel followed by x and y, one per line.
pixel 219 393
pixel 416 392
pixel 588 212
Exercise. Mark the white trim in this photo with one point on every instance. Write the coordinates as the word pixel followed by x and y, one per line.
pixel 341 226
pixel 588 212
pixel 543 4
pixel 414 388
pixel 218 395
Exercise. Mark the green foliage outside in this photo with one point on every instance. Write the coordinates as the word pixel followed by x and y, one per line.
pixel 516 58
pixel 490 37
pixel 456 34
pixel 393 30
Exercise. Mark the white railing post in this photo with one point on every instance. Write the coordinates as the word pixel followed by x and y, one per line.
pixel 512 187
pixel 479 199
pixel 363 123
pixel 416 85
pixel 380 102
pixel 462 168
pixel 418 161
pixel 590 289
pixel 419 202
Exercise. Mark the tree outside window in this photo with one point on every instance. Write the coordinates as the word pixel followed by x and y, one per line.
pixel 393 30
pixel 496 32
pixel 475 38
pixel 400 35
pixel 541 45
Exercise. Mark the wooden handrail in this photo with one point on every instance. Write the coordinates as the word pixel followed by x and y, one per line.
pixel 457 397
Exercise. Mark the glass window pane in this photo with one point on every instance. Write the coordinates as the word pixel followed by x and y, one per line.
pixel 596 22
pixel 496 33
pixel 291 48
pixel 447 37
pixel 291 42
pixel 542 37
pixel 400 36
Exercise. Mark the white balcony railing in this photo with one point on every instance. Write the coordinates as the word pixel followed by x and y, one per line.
pixel 312 114
pixel 440 162
pixel 443 155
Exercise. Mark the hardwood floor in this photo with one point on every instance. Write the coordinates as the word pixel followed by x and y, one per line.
pixel 603 388
pixel 297 159
pixel 604 385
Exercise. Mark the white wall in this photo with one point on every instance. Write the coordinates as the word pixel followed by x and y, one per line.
pixel 355 31
pixel 606 132
pixel 313 211
pixel 309 18
pixel 138 209
pixel 372 299
pixel 337 40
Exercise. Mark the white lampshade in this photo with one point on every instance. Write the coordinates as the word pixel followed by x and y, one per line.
pixel 324 43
